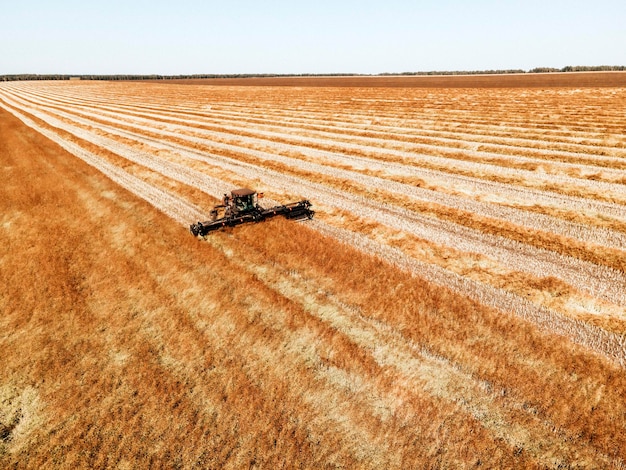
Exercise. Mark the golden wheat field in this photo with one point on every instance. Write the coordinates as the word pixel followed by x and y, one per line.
pixel 458 301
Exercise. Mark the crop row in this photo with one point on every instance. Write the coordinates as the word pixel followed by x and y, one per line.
pixel 375 184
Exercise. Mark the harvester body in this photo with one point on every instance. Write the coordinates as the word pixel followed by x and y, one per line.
pixel 241 206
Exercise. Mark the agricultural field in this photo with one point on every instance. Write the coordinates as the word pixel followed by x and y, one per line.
pixel 458 301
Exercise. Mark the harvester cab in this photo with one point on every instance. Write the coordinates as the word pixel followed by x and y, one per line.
pixel 242 200
pixel 242 206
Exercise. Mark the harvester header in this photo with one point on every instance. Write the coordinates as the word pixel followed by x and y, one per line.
pixel 241 206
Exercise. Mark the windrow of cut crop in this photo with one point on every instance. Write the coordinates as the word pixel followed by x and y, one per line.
pixel 497 363
pixel 177 355
pixel 500 178
pixel 382 137
pixel 596 236
pixel 387 133
pixel 494 188
pixel 513 158
pixel 491 205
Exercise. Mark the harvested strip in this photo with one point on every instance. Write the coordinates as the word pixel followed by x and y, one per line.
pixel 440 178
pixel 549 224
pixel 598 281
pixel 177 209
pixel 386 133
pixel 484 169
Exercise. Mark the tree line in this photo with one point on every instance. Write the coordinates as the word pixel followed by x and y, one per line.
pixel 569 68
pixel 30 76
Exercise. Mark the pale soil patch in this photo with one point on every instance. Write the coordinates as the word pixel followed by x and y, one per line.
pixel 21 413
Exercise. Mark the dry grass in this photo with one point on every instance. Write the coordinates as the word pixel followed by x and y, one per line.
pixel 612 258
pixel 448 326
pixel 130 344
pixel 548 291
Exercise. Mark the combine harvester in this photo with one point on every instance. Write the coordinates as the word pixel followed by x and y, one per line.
pixel 242 207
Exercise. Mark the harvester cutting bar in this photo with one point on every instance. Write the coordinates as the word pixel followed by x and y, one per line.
pixel 295 210
pixel 202 228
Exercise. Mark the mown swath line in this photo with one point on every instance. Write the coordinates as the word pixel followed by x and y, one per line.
pixel 441 178
pixel 549 153
pixel 598 281
pixel 490 129
pixel 174 207
pixel 515 216
pixel 606 343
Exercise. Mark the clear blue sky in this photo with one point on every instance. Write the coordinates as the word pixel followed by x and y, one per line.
pixel 315 36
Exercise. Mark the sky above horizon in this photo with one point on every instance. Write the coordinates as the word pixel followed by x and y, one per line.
pixel 293 37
